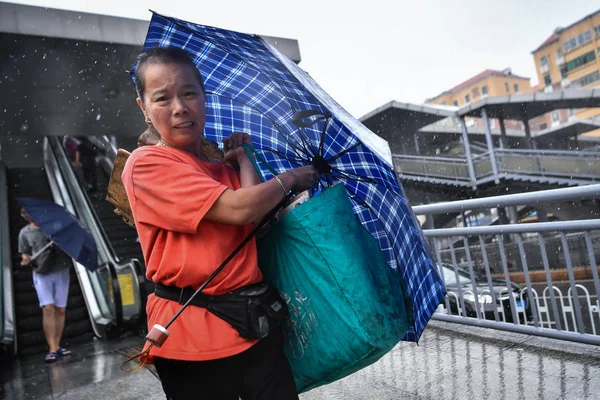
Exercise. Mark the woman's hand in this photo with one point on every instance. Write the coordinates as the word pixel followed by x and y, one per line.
pixel 302 178
pixel 232 146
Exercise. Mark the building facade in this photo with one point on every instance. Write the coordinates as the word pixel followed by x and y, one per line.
pixel 570 59
pixel 489 83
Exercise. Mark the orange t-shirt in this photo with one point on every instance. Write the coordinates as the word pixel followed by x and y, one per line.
pixel 170 191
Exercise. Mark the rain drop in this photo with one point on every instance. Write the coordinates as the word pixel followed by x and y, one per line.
pixel 98 117
pixel 24 127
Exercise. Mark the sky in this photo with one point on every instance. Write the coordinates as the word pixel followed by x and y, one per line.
pixel 368 53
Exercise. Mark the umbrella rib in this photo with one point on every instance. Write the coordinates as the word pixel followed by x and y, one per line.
pixel 297 161
pixel 306 143
pixel 323 133
pixel 354 177
pixel 349 149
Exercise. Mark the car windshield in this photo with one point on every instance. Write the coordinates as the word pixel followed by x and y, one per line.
pixel 450 275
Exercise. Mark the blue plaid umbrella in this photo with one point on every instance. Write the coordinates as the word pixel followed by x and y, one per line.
pixel 251 87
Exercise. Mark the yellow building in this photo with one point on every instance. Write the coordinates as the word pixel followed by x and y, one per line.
pixel 488 83
pixel 570 59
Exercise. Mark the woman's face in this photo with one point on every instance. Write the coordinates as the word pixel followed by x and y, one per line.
pixel 174 102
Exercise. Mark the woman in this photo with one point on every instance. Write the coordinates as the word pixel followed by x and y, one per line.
pixel 191 213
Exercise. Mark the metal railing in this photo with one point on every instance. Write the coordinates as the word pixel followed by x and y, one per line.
pixel 550 163
pixel 103 289
pixel 7 311
pixel 454 168
pixel 582 165
pixel 535 278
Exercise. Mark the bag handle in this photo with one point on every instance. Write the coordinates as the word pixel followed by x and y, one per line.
pixel 253 155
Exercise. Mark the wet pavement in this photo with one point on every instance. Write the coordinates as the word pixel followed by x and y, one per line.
pixel 451 362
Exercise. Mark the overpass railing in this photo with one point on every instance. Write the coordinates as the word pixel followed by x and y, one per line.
pixel 535 278
pixel 582 165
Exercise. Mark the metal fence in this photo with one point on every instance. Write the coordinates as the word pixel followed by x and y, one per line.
pixel 537 278
pixel 543 163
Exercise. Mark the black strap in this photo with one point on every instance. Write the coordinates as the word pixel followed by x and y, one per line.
pixel 181 295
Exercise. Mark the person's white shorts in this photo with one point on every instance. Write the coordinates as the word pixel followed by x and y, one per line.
pixel 52 288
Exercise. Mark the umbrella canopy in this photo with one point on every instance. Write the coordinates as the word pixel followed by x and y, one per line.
pixel 64 229
pixel 251 87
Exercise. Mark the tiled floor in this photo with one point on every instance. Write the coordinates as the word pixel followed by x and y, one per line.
pixel 457 363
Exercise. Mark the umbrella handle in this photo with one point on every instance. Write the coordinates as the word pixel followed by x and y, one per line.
pixel 40 251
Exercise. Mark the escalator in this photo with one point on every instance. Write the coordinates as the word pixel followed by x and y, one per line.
pixel 103 303
pixel 121 274
pixel 33 182
pixel 122 237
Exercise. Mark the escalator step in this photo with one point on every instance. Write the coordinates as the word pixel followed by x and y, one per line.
pixel 29 310
pixel 26 297
pixel 25 325
pixel 71 330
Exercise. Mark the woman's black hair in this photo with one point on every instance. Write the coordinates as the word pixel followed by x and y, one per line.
pixel 162 55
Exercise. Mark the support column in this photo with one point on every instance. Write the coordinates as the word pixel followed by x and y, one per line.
pixel 528 141
pixel 467 146
pixel 531 145
pixel 490 144
pixel 417 148
pixel 503 138
pixel 504 220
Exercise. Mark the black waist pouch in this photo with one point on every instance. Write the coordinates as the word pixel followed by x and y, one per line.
pixel 254 311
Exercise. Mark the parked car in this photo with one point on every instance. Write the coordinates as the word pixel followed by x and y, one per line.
pixel 501 292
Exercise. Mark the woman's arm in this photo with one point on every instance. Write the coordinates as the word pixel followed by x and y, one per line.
pixel 235 153
pixel 254 199
pixel 249 204
pixel 248 175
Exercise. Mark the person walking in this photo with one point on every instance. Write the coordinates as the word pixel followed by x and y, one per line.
pixel 85 156
pixel 51 282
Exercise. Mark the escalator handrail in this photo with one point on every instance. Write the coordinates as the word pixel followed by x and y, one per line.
pixel 116 286
pixel 7 311
pixel 67 172
pixel 109 256
pixel 61 197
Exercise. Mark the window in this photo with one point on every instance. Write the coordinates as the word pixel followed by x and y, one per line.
pixel 576 41
pixel 559 57
pixel 467 99
pixel 581 60
pixel 555 116
pixel 475 92
pixel 516 87
pixel 547 80
pixel 507 87
pixel 544 64
pixel 597 30
pixel 455 103
pixel 563 72
pixel 484 91
pixel 588 79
